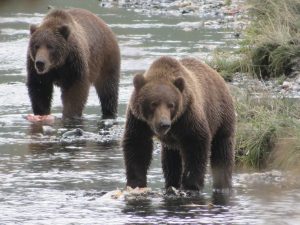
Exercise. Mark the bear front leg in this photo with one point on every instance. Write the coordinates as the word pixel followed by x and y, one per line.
pixel 74 98
pixel 172 167
pixel 137 148
pixel 195 161
pixel 195 141
pixel 40 93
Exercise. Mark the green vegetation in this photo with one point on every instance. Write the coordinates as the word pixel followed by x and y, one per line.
pixel 224 64
pixel 272 45
pixel 268 128
pixel 268 132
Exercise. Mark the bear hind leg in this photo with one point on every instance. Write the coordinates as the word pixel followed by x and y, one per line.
pixel 172 167
pixel 108 90
pixel 222 159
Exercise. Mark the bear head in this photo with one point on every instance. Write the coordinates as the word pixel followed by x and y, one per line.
pixel 48 46
pixel 158 102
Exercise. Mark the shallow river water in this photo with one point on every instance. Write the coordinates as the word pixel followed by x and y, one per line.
pixel 48 176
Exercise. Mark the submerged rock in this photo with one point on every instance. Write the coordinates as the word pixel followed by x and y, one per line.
pixel 76 136
pixel 47 130
pixel 73 133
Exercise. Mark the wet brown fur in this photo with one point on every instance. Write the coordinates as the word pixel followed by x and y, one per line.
pixel 203 124
pixel 89 55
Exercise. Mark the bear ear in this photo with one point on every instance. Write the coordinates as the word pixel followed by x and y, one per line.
pixel 32 28
pixel 64 30
pixel 139 81
pixel 179 83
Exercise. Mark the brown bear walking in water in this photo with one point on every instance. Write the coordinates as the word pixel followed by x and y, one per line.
pixel 72 49
pixel 188 107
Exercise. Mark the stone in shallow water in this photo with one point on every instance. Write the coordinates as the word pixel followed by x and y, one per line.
pixel 48 130
pixel 73 133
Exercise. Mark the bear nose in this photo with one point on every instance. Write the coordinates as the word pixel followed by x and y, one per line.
pixel 164 124
pixel 40 65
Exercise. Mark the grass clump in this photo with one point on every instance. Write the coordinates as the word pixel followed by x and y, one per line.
pixel 263 124
pixel 274 60
pixel 271 46
pixel 225 65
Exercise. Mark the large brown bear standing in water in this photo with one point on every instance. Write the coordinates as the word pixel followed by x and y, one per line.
pixel 188 107
pixel 72 49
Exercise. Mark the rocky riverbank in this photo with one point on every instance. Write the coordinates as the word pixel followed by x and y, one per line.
pixel 289 88
pixel 213 13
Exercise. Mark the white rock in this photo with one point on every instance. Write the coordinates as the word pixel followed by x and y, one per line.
pixel 286 85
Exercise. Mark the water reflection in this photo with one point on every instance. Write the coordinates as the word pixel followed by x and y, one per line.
pixel 139 207
pixel 219 198
pixel 173 209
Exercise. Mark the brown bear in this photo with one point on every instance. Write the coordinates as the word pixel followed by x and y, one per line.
pixel 188 107
pixel 72 49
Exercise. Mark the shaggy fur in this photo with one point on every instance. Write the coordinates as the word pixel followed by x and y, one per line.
pixel 188 107
pixel 75 48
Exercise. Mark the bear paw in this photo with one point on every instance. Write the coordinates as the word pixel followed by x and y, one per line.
pixel 39 118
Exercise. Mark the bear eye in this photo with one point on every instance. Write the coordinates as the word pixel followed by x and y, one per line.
pixel 36 46
pixel 154 105
pixel 171 105
pixel 50 47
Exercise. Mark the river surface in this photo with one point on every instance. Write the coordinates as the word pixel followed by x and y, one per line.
pixel 52 175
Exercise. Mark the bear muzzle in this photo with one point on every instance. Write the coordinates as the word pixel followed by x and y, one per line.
pixel 42 62
pixel 162 126
pixel 40 66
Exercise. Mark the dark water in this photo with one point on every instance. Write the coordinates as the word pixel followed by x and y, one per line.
pixel 48 177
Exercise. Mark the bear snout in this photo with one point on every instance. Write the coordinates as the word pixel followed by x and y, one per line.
pixel 163 126
pixel 40 65
pixel 42 60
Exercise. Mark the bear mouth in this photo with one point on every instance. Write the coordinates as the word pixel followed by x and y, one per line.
pixel 161 131
pixel 40 71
